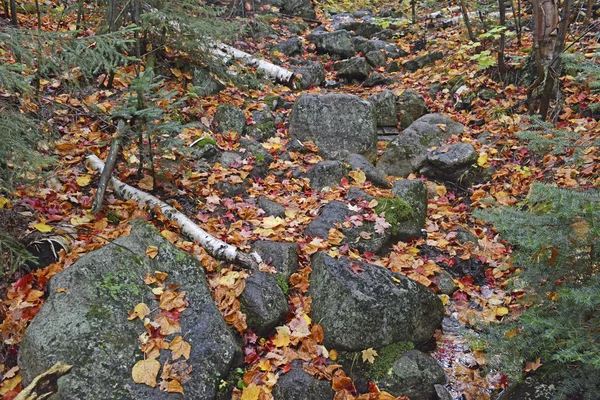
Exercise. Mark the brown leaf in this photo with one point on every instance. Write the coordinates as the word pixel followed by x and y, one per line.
pixel 146 371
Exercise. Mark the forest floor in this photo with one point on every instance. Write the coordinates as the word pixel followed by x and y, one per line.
pixel 61 204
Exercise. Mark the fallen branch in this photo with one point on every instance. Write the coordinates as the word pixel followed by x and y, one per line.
pixel 110 165
pixel 45 384
pixel 272 71
pixel 215 247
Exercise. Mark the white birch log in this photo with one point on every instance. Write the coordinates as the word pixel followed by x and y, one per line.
pixel 272 71
pixel 216 248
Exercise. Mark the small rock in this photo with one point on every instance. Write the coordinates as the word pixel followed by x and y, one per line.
pixel 229 118
pixel 355 194
pixel 530 389
pixel 384 104
pixel 290 47
pixel 262 158
pixel 463 235
pixel 411 106
pixel 205 84
pixel 376 58
pixel 376 176
pixel 312 74
pixel 450 163
pixel 263 302
pixel 281 255
pixel 420 62
pixel 271 208
pixel 326 174
pixel 393 66
pixel 446 284
pixel 298 384
pixel 299 8
pixel 337 44
pixel 414 192
pixel 441 392
pixel 353 68
pixel 231 190
pixel 376 79
pixel 264 126
pixel 368 29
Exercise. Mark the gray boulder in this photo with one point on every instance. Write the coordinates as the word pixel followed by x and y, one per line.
pixel 414 192
pixel 414 375
pixel 385 108
pixel 85 324
pixel 376 176
pixel 337 44
pixel 398 368
pixel 205 84
pixel 312 74
pixel 264 126
pixel 530 389
pixel 263 302
pixel 289 47
pixel 262 158
pixel 421 61
pixel 355 194
pixel 326 174
pixel 376 58
pixel 362 305
pixel 408 151
pixel 299 8
pixel 229 118
pixel 450 163
pixel 281 255
pixel 271 207
pixel 335 213
pixel 377 79
pixel 298 384
pixel 339 124
pixel 231 190
pixel 354 68
pixel 410 106
pixel 368 29
pixel 365 46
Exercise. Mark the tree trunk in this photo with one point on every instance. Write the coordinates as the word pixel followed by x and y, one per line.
pixel 13 13
pixel 413 4
pixel 110 165
pixel 588 13
pixel 501 65
pixel 465 13
pixel 545 13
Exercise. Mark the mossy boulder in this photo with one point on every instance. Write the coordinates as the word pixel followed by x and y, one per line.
pixel 406 226
pixel 263 302
pixel 361 305
pixel 229 118
pixel 297 384
pixel 85 323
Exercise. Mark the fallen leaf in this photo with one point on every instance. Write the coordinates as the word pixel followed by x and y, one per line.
pixel 140 311
pixel 180 348
pixel 251 392
pixel 282 338
pixel 151 251
pixel 369 355
pixel 358 176
pixel 146 371
pixel 43 227
pixel 174 387
pixel 83 180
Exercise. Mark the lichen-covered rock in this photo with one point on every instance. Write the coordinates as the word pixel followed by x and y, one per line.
pixel 377 79
pixel 368 29
pixel 337 44
pixel 311 74
pixel 384 104
pixel 339 124
pixel 362 305
pixel 354 68
pixel 376 176
pixel 410 106
pixel 271 207
pixel 264 126
pixel 263 302
pixel 289 47
pixel 298 384
pixel 326 174
pixel 451 163
pixel 205 84
pixel 365 46
pixel 355 194
pixel 362 238
pixel 298 8
pixel 414 192
pixel 376 58
pixel 407 152
pixel 530 389
pixel 229 118
pixel 262 159
pixel 85 324
pixel 421 61
pixel 281 255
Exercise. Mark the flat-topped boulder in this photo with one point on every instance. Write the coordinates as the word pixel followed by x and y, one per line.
pixel 339 124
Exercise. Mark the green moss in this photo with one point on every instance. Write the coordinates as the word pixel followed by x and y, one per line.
pixel 118 286
pixel 396 211
pixel 260 159
pixel 98 312
pixel 282 283
pixel 384 362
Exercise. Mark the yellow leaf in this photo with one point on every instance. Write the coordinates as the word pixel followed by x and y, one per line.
pixel 502 311
pixel 482 159
pixel 76 221
pixel 151 251
pixel 174 387
pixel 264 365
pixel 251 392
pixel 179 348
pixel 333 355
pixel 495 302
pixel 140 311
pixel 440 190
pixel 335 237
pixel 10 384
pixel 43 227
pixel 4 201
pixel 145 371
pixel 282 338
pixel 532 366
pixel 272 222
pixel 358 176
pixel 444 298
pixel 83 180
pixel 369 355
pixel 512 333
